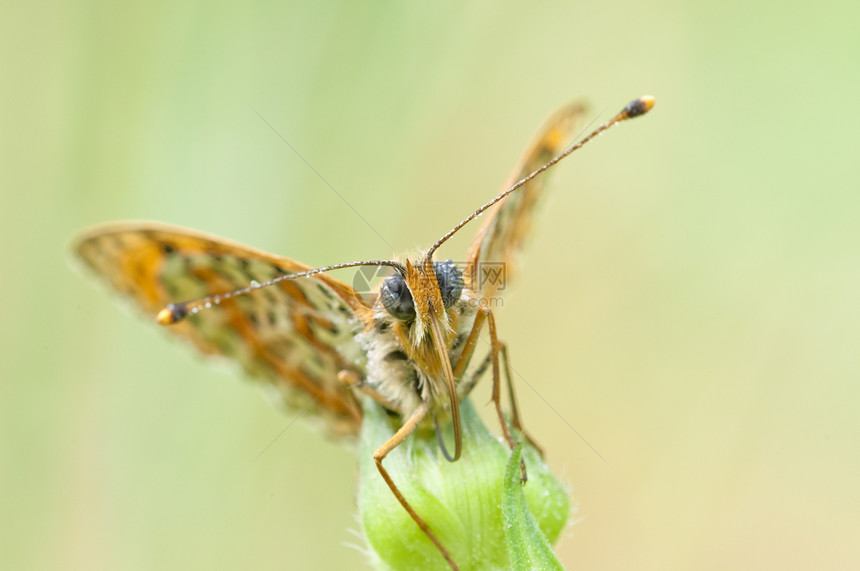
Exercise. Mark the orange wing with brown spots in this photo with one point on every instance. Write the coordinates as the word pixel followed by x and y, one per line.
pixel 507 223
pixel 297 334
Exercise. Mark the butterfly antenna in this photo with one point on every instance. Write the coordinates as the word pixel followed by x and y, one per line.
pixel 176 312
pixel 633 109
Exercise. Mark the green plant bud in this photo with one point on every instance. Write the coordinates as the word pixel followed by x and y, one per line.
pixel 477 507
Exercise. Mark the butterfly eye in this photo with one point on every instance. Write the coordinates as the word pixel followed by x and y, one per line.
pixel 397 299
pixel 450 280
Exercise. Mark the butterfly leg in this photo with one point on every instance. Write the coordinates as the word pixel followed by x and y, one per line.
pixel 497 381
pixel 353 380
pixel 471 343
pixel 484 314
pixel 466 386
pixel 464 389
pixel 515 415
pixel 496 347
pixel 497 396
pixel 402 433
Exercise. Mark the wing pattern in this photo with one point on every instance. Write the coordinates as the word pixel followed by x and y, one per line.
pixel 507 223
pixel 297 335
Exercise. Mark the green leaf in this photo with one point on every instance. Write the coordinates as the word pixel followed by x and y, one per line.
pixel 527 545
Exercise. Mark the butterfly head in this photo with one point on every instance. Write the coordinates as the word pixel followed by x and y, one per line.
pixel 422 292
pixel 420 300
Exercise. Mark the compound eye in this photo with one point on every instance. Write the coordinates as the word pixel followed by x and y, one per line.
pixel 397 299
pixel 450 280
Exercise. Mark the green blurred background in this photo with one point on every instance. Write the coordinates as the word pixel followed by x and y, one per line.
pixel 689 304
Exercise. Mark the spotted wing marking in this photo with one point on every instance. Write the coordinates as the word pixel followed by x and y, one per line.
pixel 508 222
pixel 297 334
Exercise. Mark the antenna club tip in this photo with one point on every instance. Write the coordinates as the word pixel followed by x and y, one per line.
pixel 171 314
pixel 640 106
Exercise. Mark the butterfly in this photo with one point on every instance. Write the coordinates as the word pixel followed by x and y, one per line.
pixel 321 342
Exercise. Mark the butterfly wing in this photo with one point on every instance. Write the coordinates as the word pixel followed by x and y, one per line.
pixel 492 255
pixel 297 334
